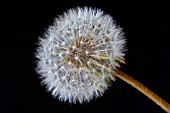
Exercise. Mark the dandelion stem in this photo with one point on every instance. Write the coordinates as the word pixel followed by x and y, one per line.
pixel 150 94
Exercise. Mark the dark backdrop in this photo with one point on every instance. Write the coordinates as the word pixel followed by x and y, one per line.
pixel 146 26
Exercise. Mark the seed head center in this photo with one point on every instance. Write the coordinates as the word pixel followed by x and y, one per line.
pixel 79 52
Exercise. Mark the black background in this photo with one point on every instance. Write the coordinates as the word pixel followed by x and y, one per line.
pixel 146 26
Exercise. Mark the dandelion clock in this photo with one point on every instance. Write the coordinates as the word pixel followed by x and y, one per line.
pixel 79 56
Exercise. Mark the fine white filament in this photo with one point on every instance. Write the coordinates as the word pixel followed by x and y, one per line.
pixel 73 52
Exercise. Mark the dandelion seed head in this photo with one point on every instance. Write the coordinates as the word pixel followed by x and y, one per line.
pixel 74 51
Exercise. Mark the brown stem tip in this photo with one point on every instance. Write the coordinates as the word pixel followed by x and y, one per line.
pixel 150 94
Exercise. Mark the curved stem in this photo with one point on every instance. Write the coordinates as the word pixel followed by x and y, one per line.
pixel 150 94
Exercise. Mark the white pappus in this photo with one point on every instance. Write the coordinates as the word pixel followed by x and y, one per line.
pixel 74 51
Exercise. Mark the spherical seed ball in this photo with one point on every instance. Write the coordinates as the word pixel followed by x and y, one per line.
pixel 74 52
